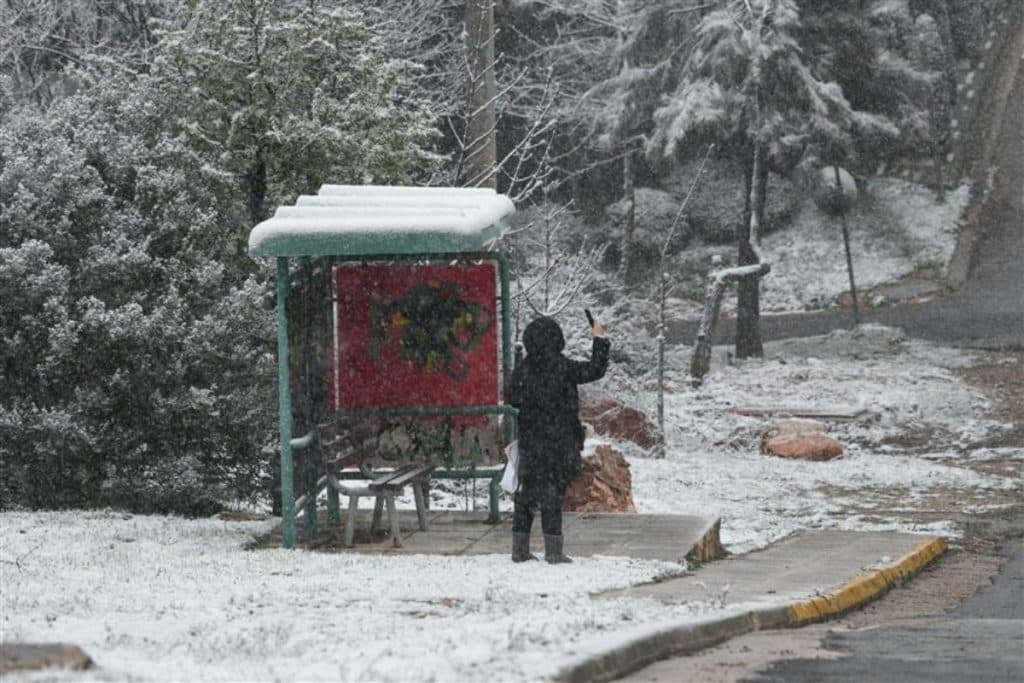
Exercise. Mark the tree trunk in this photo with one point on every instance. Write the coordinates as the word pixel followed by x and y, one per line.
pixel 944 100
pixel 626 266
pixel 481 146
pixel 748 289
pixel 256 188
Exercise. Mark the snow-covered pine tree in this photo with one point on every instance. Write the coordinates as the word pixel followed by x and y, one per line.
pixel 747 87
pixel 282 96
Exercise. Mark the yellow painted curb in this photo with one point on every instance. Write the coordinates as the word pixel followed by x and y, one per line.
pixel 865 587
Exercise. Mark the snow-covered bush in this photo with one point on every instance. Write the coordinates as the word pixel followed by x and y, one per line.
pixel 554 261
pixel 129 358
pixel 716 206
pixel 135 344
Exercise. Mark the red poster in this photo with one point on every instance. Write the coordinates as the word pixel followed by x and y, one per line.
pixel 415 335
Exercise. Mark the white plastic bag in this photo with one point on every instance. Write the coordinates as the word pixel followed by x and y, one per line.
pixel 510 479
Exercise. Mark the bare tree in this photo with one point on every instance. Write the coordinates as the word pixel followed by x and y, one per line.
pixel 39 38
pixel 562 275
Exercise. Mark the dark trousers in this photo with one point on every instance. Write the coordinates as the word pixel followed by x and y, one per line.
pixel 548 497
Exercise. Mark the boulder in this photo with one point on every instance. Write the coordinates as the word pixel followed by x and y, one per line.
pixel 815 447
pixel 36 656
pixel 617 421
pixel 800 439
pixel 605 484
pixel 833 198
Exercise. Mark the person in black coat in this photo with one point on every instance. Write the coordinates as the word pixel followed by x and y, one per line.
pixel 550 434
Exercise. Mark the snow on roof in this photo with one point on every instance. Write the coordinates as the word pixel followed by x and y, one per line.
pixel 361 220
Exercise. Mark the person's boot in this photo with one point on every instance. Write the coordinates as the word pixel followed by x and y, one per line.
pixel 521 547
pixel 553 550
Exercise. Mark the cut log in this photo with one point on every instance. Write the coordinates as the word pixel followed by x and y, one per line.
pixel 838 414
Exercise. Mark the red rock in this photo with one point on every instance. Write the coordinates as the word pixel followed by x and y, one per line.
pixel 605 484
pixel 613 419
pixel 813 446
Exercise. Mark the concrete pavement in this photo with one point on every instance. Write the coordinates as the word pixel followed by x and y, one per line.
pixel 673 538
pixel 807 577
pixel 812 576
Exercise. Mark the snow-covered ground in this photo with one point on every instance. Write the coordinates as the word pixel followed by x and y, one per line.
pixel 896 228
pixel 162 598
pixel 908 393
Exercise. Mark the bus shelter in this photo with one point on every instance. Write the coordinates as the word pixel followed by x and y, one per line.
pixel 394 336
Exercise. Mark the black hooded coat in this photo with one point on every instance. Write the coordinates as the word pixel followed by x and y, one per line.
pixel 544 390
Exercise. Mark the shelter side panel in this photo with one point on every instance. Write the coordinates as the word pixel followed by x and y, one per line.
pixel 415 335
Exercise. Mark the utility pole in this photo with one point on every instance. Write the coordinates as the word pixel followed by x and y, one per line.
pixel 840 202
pixel 480 146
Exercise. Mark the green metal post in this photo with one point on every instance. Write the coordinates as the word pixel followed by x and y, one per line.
pixel 506 374
pixel 284 406
pixel 333 503
pixel 495 490
pixel 309 455
pixel 506 340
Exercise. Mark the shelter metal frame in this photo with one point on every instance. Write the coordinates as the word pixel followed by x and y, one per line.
pixel 350 223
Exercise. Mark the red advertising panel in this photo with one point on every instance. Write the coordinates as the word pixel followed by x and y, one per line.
pixel 415 335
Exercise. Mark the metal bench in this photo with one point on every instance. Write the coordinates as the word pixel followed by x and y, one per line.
pixel 384 489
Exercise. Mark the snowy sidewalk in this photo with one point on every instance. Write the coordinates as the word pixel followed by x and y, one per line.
pixel 811 576
pixel 671 538
pixel 161 598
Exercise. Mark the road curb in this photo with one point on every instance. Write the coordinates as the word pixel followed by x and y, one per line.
pixel 643 646
pixel 865 587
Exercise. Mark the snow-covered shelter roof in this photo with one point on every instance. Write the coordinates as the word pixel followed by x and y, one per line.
pixel 363 220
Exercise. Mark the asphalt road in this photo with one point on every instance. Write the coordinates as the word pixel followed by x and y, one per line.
pixel 954 651
pixel 982 639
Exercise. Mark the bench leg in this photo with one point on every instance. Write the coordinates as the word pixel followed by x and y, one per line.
pixel 494 516
pixel 333 505
pixel 350 521
pixel 396 534
pixel 378 511
pixel 421 508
